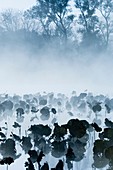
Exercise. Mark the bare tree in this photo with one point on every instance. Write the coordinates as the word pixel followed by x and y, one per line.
pixel 106 23
pixel 53 16
pixel 11 20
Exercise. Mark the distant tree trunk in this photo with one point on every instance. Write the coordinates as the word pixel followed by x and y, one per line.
pixel 107 32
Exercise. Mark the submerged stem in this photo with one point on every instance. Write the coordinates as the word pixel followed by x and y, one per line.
pixel 7 167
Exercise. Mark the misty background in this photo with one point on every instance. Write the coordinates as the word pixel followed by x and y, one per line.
pixel 57 46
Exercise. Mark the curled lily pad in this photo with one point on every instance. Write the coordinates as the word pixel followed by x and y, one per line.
pixel 59 149
pixel 53 110
pixel 40 130
pixel 45 110
pixel 45 113
pixel 8 104
pixel 79 153
pixel 97 107
pixel 26 144
pixel 43 102
pixel 7 149
pixel 108 133
pixel 100 161
pixel 45 166
pixel 7 160
pixel 76 128
pixel 108 123
pixel 109 153
pixel 59 131
pixel 96 127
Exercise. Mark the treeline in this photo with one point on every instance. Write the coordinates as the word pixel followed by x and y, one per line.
pixel 79 25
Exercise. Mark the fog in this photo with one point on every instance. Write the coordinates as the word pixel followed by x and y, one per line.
pixel 22 73
pixel 27 70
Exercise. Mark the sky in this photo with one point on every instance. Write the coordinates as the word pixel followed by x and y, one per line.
pixel 17 4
